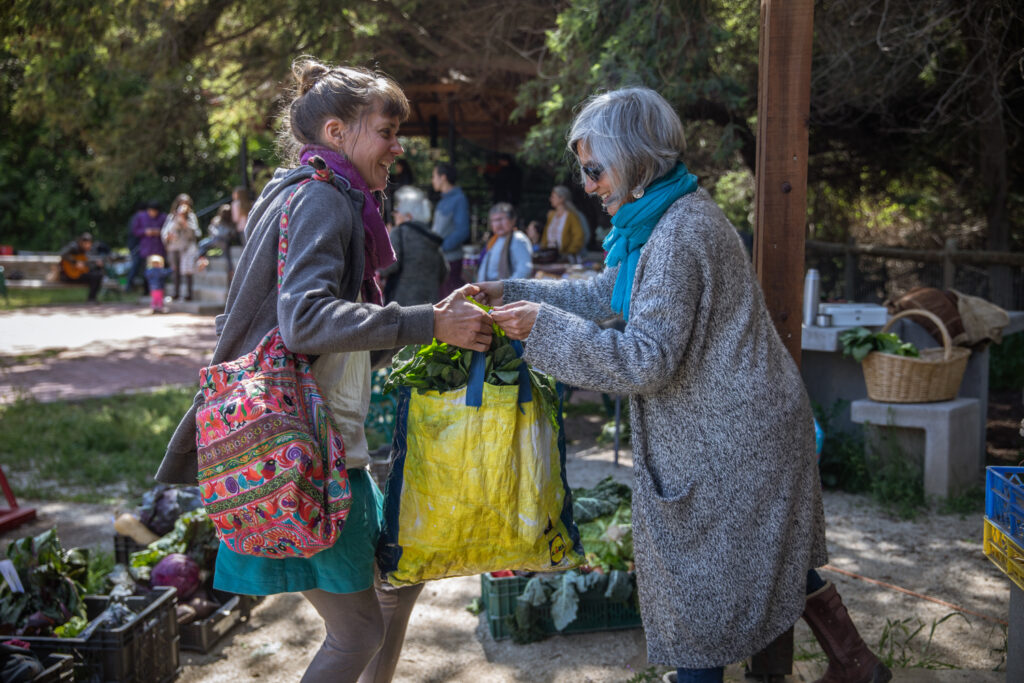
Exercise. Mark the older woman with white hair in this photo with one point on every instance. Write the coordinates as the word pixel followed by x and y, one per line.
pixel 420 266
pixel 727 512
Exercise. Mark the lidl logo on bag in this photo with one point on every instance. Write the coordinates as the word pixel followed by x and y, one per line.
pixel 556 546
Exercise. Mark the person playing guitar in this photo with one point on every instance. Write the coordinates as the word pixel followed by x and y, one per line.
pixel 76 265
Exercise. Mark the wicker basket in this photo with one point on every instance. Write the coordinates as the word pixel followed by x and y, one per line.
pixel 934 376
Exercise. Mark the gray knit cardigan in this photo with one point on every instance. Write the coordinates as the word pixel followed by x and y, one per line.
pixel 317 309
pixel 727 512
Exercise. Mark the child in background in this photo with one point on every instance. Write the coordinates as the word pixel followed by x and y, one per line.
pixel 156 278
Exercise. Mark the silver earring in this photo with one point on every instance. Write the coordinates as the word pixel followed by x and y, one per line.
pixel 638 192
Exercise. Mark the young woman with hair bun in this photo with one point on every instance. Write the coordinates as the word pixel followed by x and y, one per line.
pixel 330 307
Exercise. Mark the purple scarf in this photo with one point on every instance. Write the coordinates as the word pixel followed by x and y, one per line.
pixel 377 245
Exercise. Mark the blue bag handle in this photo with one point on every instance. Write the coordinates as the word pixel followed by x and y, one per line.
pixel 475 382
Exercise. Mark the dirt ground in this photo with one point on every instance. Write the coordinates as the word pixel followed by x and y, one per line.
pixel 895 576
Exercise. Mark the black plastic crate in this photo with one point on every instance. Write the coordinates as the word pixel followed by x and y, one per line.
pixel 58 669
pixel 145 650
pixel 124 546
pixel 201 635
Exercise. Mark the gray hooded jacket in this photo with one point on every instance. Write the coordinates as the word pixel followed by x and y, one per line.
pixel 316 309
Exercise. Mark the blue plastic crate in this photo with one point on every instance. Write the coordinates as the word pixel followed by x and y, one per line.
pixel 1004 500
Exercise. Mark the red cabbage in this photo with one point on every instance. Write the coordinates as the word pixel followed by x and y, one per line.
pixel 177 570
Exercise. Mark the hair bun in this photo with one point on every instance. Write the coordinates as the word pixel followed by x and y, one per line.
pixel 308 73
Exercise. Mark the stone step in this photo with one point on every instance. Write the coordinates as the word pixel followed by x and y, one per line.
pixel 209 294
pixel 219 279
pixel 195 307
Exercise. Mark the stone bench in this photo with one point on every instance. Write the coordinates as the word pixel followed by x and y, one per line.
pixel 951 457
pixel 31 267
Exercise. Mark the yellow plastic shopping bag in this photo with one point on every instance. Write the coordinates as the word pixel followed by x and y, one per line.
pixel 477 484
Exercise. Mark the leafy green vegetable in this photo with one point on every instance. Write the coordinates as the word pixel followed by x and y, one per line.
pixel 441 367
pixel 608 540
pixel 53 579
pixel 193 534
pixel 860 341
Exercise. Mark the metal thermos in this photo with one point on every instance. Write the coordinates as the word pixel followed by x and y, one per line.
pixel 812 292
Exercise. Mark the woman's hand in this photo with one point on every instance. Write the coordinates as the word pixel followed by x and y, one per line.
pixel 490 293
pixel 517 318
pixel 458 321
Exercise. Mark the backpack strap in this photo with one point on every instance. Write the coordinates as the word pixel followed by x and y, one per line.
pixel 321 173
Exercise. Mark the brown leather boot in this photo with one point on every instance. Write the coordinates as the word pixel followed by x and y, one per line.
pixel 849 659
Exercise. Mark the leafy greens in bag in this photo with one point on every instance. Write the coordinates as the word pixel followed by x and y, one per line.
pixel 442 367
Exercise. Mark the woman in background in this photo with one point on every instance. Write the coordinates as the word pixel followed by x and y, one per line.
pixel 180 236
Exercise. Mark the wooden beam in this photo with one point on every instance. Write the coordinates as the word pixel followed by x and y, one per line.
pixel 783 105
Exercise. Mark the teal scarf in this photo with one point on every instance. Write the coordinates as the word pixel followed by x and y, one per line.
pixel 632 225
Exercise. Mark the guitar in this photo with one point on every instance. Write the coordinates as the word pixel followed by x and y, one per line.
pixel 77 265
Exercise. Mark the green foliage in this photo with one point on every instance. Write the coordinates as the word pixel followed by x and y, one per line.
pixel 896 483
pixel 101 563
pixel 53 580
pixel 900 646
pixel 607 433
pixel 93 450
pixel 193 534
pixel 110 103
pixel 858 342
pixel 24 298
pixel 475 606
pixel 700 56
pixel 604 517
pixel 647 675
pixel 1006 363
pixel 441 367
pixel 842 463
pixel 734 192
pixel 969 503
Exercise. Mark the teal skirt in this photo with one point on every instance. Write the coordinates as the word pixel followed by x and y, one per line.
pixel 346 567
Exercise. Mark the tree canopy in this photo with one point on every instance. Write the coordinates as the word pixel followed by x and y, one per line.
pixel 915 105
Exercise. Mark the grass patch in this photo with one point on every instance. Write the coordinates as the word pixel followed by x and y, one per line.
pixel 28 297
pixel 970 502
pixel 94 450
pixel 896 485
pixel 905 644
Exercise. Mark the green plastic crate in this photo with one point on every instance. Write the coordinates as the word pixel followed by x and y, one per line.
pixel 595 613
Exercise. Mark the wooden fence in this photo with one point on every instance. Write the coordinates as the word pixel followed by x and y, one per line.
pixel 871 273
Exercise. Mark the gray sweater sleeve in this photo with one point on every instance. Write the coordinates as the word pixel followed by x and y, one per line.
pixel 590 299
pixel 312 313
pixel 643 358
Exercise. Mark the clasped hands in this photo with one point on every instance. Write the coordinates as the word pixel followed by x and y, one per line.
pixel 458 321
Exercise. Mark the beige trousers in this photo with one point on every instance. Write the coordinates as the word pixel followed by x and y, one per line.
pixel 365 632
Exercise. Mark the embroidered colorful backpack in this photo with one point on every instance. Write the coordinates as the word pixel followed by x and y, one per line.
pixel 271 460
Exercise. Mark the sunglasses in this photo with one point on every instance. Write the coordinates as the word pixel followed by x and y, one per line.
pixel 593 172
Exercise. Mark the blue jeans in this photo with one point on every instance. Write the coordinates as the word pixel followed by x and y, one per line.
pixel 712 675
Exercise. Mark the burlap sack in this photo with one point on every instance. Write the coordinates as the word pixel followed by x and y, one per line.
pixel 982 320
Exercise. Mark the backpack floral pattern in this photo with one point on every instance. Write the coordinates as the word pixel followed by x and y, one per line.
pixel 272 472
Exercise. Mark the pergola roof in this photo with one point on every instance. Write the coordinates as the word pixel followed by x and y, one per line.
pixel 479 114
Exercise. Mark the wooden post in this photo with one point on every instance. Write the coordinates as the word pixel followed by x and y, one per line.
pixel 783 106
pixel 451 128
pixel 948 267
pixel 850 272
